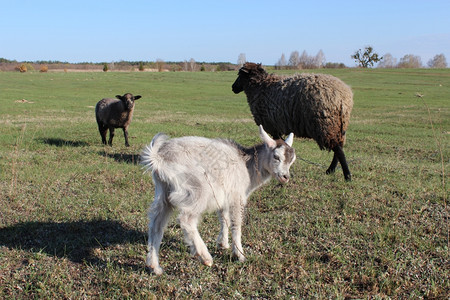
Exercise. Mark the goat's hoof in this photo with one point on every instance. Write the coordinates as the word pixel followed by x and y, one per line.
pixel 240 258
pixel 222 246
pixel 208 263
pixel 157 270
pixel 348 177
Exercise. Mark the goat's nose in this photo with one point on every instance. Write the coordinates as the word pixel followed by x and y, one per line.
pixel 284 178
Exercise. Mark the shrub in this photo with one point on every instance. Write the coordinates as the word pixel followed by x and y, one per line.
pixel 43 69
pixel 160 65
pixel 334 65
pixel 22 68
pixel 141 66
pixel 105 67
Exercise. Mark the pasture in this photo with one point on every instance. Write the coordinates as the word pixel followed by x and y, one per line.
pixel 73 213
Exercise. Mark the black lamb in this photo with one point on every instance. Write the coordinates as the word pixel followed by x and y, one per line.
pixel 115 113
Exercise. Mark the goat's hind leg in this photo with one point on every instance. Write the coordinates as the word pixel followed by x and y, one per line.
pixel 189 223
pixel 224 219
pixel 159 215
pixel 236 231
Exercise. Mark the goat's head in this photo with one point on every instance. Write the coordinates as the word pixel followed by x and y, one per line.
pixel 281 155
pixel 250 71
pixel 128 100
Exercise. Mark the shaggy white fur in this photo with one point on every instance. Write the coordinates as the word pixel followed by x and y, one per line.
pixel 196 174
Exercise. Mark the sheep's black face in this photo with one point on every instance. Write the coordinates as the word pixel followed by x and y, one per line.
pixel 241 82
pixel 128 100
pixel 250 73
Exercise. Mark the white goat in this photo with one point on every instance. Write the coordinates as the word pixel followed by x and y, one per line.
pixel 196 174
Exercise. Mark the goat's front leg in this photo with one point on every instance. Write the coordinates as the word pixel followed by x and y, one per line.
pixel 224 219
pixel 236 225
pixel 198 247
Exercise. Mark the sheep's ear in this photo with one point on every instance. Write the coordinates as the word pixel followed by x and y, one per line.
pixel 266 138
pixel 119 97
pixel 137 97
pixel 289 139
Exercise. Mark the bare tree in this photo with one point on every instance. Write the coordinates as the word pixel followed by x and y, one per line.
pixel 438 61
pixel 410 61
pixel 319 60
pixel 281 64
pixel 304 62
pixel 311 62
pixel 367 58
pixel 388 61
pixel 241 60
pixel 294 60
pixel 192 65
pixel 160 65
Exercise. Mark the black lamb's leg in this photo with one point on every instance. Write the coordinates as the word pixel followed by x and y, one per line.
pixel 111 135
pixel 103 130
pixel 125 134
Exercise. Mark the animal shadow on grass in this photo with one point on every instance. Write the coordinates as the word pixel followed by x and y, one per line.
pixel 122 157
pixel 73 240
pixel 62 142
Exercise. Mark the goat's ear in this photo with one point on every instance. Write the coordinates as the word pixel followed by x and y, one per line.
pixel 119 97
pixel 289 139
pixel 266 138
pixel 137 97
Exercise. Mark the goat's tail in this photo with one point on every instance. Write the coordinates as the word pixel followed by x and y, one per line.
pixel 149 155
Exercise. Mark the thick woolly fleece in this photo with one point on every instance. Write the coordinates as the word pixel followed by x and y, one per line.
pixel 316 106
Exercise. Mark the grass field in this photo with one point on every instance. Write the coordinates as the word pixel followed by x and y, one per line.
pixel 73 213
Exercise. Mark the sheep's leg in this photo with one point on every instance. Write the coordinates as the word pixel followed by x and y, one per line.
pixel 125 134
pixel 236 224
pixel 159 216
pixel 111 135
pixel 340 156
pixel 224 219
pixel 188 223
pixel 343 162
pixel 103 129
pixel 333 164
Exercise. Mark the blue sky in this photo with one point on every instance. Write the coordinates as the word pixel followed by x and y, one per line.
pixel 217 31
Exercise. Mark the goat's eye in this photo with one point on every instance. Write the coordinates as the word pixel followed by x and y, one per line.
pixel 276 157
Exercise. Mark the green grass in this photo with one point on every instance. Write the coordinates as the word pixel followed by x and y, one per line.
pixel 73 212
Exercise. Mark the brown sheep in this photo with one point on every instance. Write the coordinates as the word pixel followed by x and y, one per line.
pixel 115 113
pixel 316 106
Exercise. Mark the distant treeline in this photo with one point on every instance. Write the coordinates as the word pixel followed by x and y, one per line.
pixel 154 66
